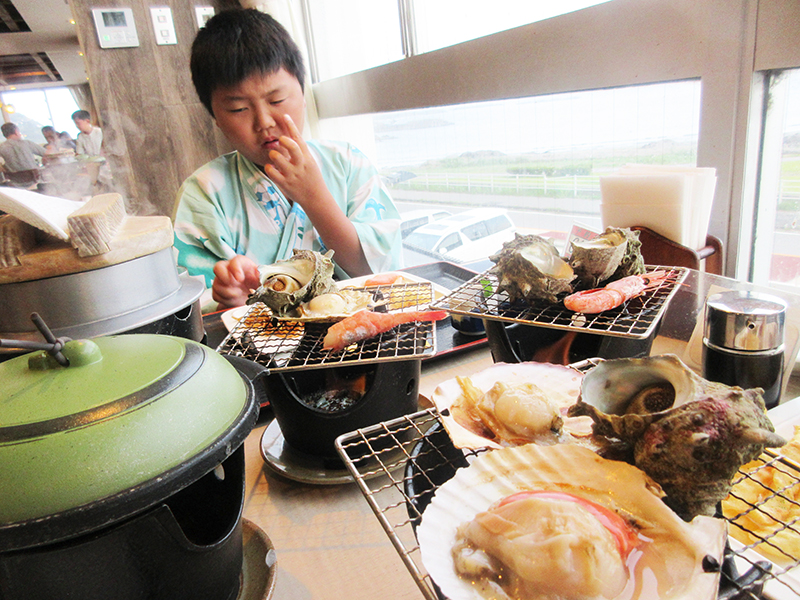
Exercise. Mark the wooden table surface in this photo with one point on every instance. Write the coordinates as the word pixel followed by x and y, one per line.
pixel 329 544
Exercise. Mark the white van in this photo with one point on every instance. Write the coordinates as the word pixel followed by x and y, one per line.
pixel 415 219
pixel 464 237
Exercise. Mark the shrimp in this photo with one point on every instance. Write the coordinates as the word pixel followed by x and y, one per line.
pixel 383 279
pixel 614 294
pixel 366 324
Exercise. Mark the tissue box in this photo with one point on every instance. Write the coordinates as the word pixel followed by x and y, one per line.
pixel 672 201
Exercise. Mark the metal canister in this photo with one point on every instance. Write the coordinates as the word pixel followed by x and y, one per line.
pixel 743 341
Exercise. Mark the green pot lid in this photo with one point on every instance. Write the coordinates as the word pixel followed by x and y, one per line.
pixel 126 410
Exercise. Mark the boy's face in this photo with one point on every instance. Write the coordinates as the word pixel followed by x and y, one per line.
pixel 250 114
pixel 83 125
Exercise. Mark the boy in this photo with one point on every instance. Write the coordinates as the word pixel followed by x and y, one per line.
pixel 276 192
pixel 90 138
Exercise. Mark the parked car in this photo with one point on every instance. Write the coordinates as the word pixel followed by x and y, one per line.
pixel 415 219
pixel 464 237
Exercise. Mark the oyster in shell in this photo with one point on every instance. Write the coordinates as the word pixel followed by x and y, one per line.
pixel 589 524
pixel 529 268
pixel 288 283
pixel 689 434
pixel 595 261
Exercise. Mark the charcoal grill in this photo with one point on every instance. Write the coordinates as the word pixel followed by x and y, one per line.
pixel 384 370
pixel 548 332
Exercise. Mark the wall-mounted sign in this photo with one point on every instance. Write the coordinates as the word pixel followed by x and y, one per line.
pixel 115 27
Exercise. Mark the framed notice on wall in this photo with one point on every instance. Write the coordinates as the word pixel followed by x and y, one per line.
pixel 115 27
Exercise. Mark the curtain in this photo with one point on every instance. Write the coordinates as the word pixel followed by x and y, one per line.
pixel 287 13
pixel 82 94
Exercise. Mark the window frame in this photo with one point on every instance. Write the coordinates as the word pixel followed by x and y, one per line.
pixel 619 43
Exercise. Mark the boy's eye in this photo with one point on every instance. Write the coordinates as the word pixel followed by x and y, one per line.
pixel 274 102
pixel 237 110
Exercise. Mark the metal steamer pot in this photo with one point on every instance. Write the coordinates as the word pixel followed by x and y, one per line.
pixel 122 470
pixel 143 295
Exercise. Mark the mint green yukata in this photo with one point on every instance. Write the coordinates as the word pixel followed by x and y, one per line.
pixel 229 207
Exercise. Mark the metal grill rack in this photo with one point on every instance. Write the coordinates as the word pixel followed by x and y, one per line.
pixel 284 345
pixel 636 319
pixel 399 464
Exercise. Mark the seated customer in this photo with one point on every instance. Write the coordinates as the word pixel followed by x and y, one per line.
pixel 275 192
pixel 19 157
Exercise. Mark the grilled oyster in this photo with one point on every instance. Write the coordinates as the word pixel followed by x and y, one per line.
pixel 689 434
pixel 288 283
pixel 529 268
pixel 595 261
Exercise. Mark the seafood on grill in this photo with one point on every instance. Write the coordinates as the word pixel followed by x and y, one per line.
pixel 288 283
pixel 529 268
pixel 612 255
pixel 332 306
pixel 367 324
pixel 511 404
pixel 764 505
pixel 552 522
pixel 689 434
pixel 613 294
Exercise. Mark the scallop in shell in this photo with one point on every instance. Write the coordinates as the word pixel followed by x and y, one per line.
pixel 689 434
pixel 670 557
pixel 478 414
pixel 529 268
pixel 288 283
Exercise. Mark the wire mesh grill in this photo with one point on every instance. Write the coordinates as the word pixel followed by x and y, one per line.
pixel 399 465
pixel 764 512
pixel 636 318
pixel 284 345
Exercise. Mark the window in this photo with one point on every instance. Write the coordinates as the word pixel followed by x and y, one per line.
pixel 352 35
pixel 476 231
pixel 776 256
pixel 33 109
pixel 449 243
pixel 441 23
pixel 540 158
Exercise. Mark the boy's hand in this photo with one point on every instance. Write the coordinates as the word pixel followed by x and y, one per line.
pixel 234 280
pixel 294 169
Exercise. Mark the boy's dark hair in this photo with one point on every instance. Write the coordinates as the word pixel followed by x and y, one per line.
pixel 9 129
pixel 48 129
pixel 82 114
pixel 235 44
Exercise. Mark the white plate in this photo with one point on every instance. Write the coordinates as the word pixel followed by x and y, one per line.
pixel 438 290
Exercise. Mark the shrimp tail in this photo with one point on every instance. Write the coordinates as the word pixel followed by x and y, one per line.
pixel 366 324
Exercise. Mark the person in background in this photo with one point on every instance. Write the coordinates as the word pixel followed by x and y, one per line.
pixel 19 157
pixel 66 140
pixel 90 138
pixel 276 191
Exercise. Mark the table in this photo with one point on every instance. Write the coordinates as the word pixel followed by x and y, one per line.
pixel 328 542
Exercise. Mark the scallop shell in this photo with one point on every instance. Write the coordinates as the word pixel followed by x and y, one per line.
pixel 560 383
pixel 567 467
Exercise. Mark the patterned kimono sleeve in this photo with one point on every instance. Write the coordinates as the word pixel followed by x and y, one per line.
pixel 201 230
pixel 371 210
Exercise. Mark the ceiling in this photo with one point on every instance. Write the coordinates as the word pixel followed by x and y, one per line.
pixel 38 45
